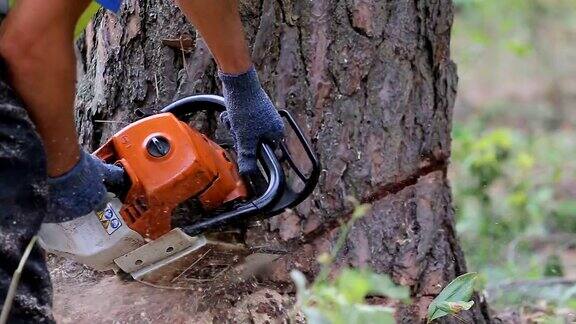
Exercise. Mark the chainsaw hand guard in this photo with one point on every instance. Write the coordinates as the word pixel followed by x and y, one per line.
pixel 279 194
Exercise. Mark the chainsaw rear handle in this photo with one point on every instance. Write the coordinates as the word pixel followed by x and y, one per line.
pixel 279 195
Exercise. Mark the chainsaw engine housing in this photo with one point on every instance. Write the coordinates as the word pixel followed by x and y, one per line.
pixel 169 162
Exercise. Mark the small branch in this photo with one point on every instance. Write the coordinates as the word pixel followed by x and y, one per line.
pixel 14 283
pixel 534 284
pixel 184 43
pixel 559 239
pixel 101 121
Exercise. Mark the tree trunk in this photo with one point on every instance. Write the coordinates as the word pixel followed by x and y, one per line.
pixel 372 83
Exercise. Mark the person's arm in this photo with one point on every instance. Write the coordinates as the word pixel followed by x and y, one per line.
pixel 219 24
pixel 250 113
pixel 36 40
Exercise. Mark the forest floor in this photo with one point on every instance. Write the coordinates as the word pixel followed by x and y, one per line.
pixel 82 295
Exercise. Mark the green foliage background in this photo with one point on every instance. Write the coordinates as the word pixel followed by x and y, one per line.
pixel 513 170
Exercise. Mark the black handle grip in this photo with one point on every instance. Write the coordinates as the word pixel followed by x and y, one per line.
pixel 193 104
pixel 251 209
pixel 279 195
pixel 292 198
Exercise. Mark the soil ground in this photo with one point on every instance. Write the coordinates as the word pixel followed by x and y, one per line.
pixel 85 296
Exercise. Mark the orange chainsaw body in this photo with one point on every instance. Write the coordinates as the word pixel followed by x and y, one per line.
pixel 169 162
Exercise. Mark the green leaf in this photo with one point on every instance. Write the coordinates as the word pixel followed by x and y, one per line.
pixel 367 314
pixel 353 285
pixel 566 208
pixel 520 48
pixel 85 18
pixel 459 290
pixel 570 303
pixel 553 266
pixel 383 285
pixel 455 307
pixel 568 299
pixel 323 294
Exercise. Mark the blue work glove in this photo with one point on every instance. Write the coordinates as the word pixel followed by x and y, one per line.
pixel 251 116
pixel 82 189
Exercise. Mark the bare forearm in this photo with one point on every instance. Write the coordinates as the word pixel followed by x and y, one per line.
pixel 36 42
pixel 219 24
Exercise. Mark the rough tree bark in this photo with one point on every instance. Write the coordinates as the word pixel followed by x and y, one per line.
pixel 373 84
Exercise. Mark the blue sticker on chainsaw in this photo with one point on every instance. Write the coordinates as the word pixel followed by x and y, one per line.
pixel 109 219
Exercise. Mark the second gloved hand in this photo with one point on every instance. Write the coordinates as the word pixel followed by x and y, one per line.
pixel 82 189
pixel 251 115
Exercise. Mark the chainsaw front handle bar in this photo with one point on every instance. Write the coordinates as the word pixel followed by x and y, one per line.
pixel 279 195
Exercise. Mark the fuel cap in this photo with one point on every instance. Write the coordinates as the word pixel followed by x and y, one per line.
pixel 158 146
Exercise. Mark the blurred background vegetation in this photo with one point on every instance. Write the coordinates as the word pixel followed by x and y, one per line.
pixel 513 170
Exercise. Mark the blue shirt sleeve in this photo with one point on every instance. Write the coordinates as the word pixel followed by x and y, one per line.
pixel 113 5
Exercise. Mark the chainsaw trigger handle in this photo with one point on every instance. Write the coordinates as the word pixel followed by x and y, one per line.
pixel 279 194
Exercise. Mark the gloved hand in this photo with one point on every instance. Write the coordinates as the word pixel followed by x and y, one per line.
pixel 251 115
pixel 82 189
pixel 114 176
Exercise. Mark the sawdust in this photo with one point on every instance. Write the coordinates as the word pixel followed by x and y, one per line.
pixel 82 295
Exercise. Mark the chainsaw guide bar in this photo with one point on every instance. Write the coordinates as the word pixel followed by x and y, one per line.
pixel 179 261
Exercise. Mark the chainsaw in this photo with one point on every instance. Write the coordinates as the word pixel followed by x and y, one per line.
pixel 144 231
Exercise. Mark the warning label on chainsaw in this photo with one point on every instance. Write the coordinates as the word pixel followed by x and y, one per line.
pixel 109 219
